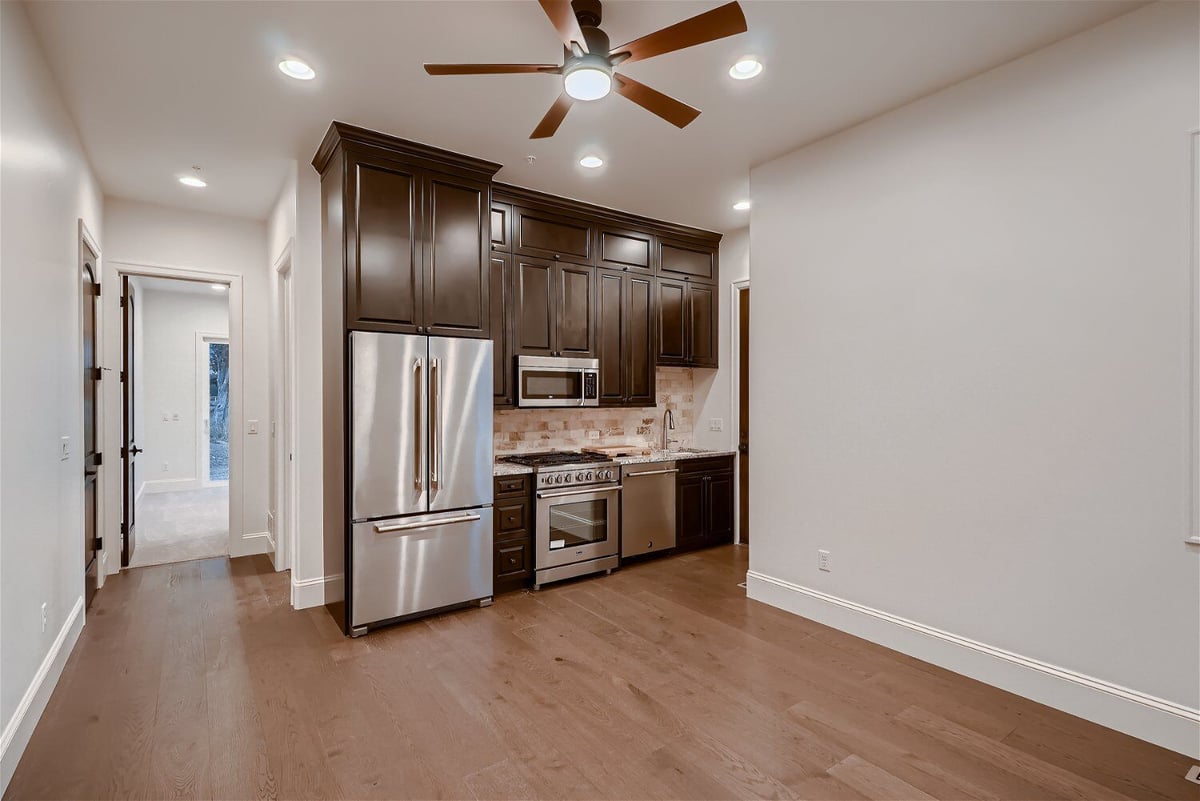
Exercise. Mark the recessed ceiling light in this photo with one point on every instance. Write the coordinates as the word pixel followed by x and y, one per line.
pixel 591 162
pixel 745 68
pixel 741 205
pixel 295 68
pixel 218 287
pixel 194 181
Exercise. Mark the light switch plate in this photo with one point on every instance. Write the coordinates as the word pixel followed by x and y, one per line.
pixel 64 449
pixel 716 424
pixel 251 426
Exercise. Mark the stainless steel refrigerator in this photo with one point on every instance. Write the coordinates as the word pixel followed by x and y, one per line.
pixel 420 475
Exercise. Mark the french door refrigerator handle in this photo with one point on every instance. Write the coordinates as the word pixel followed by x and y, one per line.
pixel 418 474
pixel 446 521
pixel 435 423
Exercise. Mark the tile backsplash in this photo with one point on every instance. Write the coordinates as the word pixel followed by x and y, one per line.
pixel 527 430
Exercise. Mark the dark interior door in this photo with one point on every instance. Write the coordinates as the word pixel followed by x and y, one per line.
pixel 744 412
pixel 129 448
pixel 89 292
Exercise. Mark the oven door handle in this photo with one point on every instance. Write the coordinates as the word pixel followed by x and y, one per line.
pixel 587 491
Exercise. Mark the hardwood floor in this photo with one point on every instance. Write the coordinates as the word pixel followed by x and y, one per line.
pixel 197 680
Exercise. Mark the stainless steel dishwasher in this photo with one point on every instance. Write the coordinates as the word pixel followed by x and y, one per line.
pixel 647 508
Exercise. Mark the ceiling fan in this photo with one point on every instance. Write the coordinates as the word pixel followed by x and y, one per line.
pixel 588 61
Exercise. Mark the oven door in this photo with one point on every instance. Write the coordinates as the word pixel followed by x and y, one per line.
pixel 576 525
pixel 549 386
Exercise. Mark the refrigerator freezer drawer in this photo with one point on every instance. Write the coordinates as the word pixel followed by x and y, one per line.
pixel 408 565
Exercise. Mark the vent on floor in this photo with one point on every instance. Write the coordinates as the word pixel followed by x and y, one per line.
pixel 1193 774
pixel 742 585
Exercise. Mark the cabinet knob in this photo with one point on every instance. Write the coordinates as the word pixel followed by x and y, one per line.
pixel 556 257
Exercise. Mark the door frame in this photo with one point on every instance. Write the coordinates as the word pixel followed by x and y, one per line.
pixel 203 340
pixel 735 407
pixel 283 409
pixel 241 543
pixel 83 239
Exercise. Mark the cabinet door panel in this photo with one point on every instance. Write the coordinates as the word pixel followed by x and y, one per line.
pixel 672 322
pixel 384 273
pixel 547 236
pixel 456 281
pixel 690 512
pixel 621 249
pixel 576 330
pixel 694 260
pixel 719 508
pixel 500 301
pixel 702 350
pixel 638 351
pixel 610 335
pixel 501 227
pixel 534 320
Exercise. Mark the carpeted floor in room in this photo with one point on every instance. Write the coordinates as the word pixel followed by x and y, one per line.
pixel 178 526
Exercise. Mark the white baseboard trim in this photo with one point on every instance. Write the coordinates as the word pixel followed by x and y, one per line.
pixel 1146 717
pixel 307 593
pixel 251 544
pixel 153 485
pixel 19 728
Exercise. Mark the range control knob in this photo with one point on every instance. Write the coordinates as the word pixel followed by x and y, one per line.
pixel 567 478
pixel 558 479
pixel 589 475
pixel 580 476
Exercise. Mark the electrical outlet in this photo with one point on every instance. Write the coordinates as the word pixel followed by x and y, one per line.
pixel 175 417
pixel 823 561
pixel 64 449
pixel 716 424
pixel 166 467
pixel 251 426
pixel 166 417
pixel 594 434
pixel 43 617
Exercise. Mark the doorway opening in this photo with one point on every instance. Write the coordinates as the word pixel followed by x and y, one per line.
pixel 176 397
pixel 741 402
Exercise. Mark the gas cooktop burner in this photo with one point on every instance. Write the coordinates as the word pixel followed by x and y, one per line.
pixel 556 459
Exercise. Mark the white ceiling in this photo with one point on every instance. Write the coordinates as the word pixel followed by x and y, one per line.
pixel 156 87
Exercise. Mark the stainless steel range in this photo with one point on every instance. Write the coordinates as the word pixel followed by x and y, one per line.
pixel 577 512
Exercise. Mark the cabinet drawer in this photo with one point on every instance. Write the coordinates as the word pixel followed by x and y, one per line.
pixel 716 464
pixel 536 233
pixel 511 515
pixel 512 559
pixel 512 485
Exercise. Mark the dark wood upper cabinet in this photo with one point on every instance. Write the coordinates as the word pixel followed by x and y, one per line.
pixel 630 250
pixel 456 257
pixel 414 222
pixel 500 301
pixel 501 225
pixel 576 289
pixel 673 322
pixel 696 261
pixel 383 246
pixel 610 336
pixel 540 234
pixel 555 309
pixel 625 337
pixel 533 312
pixel 702 338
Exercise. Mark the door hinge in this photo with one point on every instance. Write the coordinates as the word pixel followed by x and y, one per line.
pixel 97 285
pixel 122 301
pixel 122 376
pixel 97 373
pixel 98 544
pixel 99 459
pixel 123 529
pixel 124 452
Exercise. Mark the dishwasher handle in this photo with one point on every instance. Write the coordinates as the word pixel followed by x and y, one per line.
pixel 652 473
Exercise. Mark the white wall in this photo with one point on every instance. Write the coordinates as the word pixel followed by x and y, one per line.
pixel 156 236
pixel 713 387
pixel 46 185
pixel 171 321
pixel 971 330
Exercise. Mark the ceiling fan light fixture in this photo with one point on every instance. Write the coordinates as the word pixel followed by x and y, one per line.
pixel 742 205
pixel 745 69
pixel 591 162
pixel 589 78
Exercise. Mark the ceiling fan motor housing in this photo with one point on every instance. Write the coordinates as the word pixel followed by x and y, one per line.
pixel 587 12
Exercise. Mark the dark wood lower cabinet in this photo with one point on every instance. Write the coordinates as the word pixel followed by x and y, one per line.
pixel 704 503
pixel 512 533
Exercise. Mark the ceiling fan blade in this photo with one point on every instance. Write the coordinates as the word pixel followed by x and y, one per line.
pixel 553 118
pixel 489 69
pixel 727 20
pixel 673 111
pixel 562 17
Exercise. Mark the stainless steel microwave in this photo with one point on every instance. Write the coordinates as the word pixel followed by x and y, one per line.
pixel 553 381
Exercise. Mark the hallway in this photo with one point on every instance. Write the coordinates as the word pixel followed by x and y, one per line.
pixel 183 525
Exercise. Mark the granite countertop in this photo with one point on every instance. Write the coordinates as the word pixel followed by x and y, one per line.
pixel 509 469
